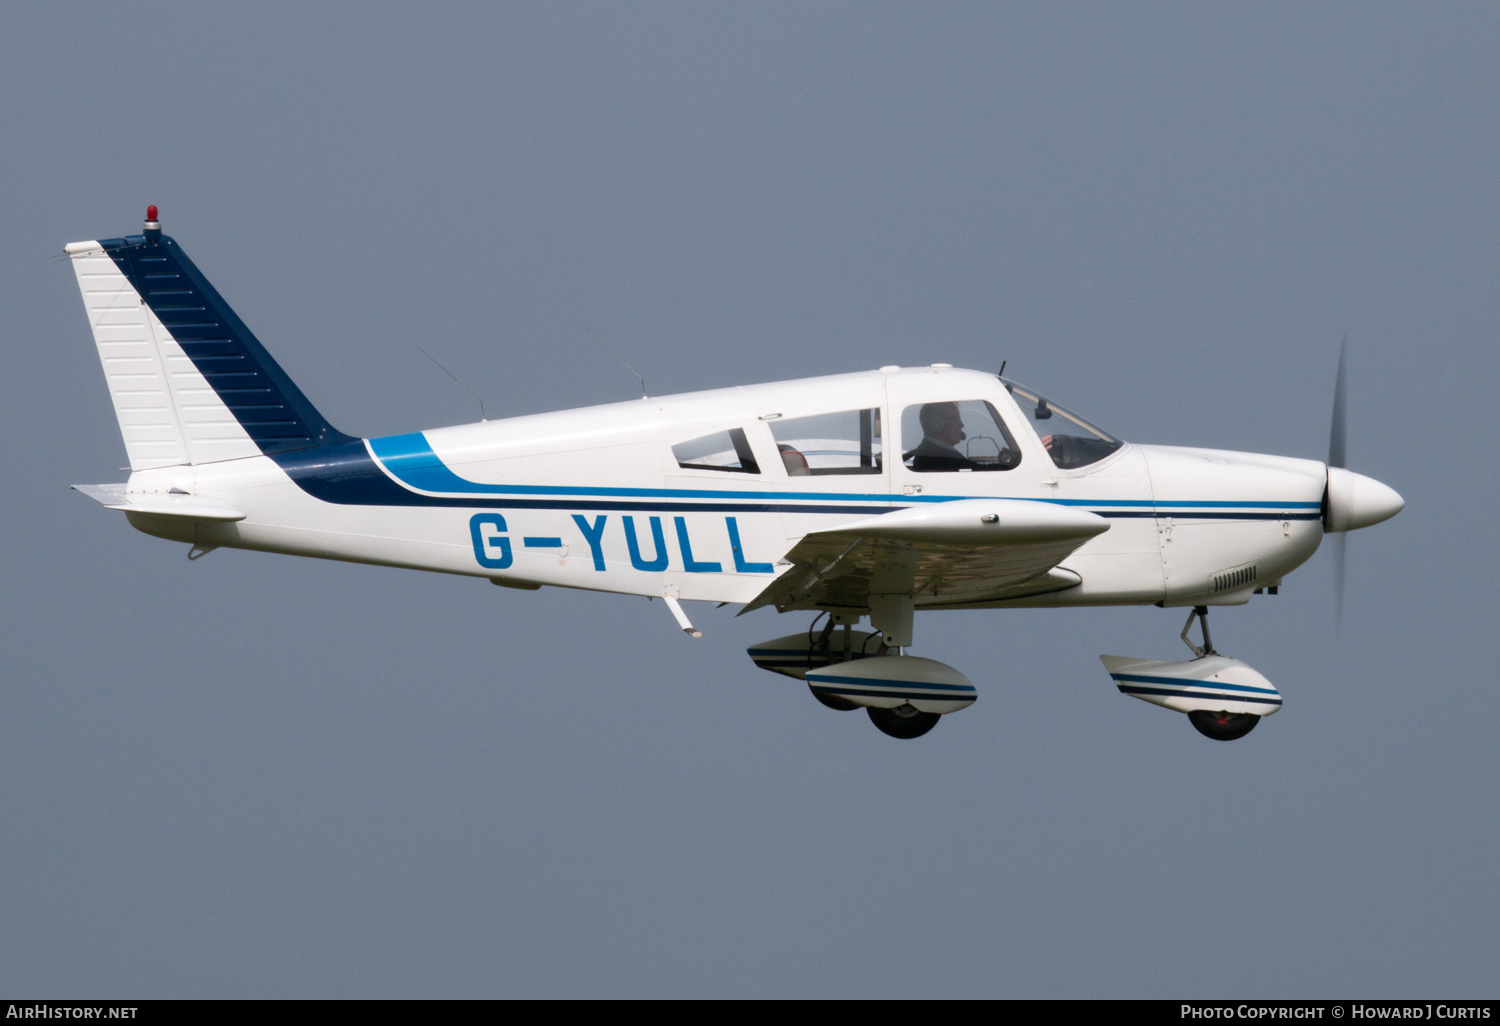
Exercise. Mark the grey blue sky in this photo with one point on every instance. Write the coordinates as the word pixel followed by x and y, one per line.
pixel 254 775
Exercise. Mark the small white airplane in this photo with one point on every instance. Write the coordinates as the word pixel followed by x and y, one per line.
pixel 787 494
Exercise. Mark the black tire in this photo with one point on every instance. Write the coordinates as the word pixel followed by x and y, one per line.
pixel 914 724
pixel 1223 726
pixel 833 701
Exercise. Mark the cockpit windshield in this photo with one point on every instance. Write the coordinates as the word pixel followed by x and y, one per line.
pixel 1070 440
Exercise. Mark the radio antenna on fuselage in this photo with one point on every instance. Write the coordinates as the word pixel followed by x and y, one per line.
pixel 466 388
pixel 617 356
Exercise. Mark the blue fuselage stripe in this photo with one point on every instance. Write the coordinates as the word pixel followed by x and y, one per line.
pixel 1130 689
pixel 921 685
pixel 346 474
pixel 1181 683
pixel 819 686
pixel 410 460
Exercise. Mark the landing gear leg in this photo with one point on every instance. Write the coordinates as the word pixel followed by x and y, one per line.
pixel 1221 726
pixel 1199 613
pixel 826 644
pixel 891 615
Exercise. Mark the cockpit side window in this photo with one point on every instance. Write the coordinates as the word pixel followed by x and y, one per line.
pixel 830 443
pixel 965 434
pixel 728 451
pixel 1071 441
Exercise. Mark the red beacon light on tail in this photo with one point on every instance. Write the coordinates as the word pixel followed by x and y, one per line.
pixel 153 224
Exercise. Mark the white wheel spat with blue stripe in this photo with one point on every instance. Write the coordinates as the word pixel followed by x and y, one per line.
pixel 888 682
pixel 1214 683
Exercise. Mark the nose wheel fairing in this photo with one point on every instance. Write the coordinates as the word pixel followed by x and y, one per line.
pixel 1212 683
pixel 1223 698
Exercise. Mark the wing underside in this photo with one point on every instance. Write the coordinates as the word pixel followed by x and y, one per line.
pixel 947 555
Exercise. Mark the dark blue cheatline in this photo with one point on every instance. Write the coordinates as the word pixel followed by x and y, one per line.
pixel 1130 689
pixel 1179 682
pixel 1176 687
pixel 908 692
pixel 346 474
pixel 921 685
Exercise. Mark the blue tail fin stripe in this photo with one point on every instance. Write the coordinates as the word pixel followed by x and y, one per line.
pixel 272 410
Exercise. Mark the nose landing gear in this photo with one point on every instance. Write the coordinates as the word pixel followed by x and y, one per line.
pixel 1223 698
pixel 1199 613
pixel 1217 724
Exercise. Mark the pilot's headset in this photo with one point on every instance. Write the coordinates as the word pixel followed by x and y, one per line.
pixel 934 418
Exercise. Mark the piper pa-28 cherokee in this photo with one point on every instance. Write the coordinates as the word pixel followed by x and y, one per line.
pixel 788 494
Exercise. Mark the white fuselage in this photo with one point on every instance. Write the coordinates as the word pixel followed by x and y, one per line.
pixel 595 498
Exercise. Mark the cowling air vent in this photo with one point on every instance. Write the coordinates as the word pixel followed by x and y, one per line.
pixel 1234 580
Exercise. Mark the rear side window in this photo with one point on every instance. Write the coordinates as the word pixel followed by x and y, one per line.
pixel 723 450
pixel 830 443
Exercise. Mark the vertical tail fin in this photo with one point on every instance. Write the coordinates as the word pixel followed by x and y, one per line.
pixel 190 383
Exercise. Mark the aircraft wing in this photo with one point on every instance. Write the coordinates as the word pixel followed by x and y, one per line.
pixel 967 550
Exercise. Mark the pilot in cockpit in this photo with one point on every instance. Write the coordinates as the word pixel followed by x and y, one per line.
pixel 942 430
